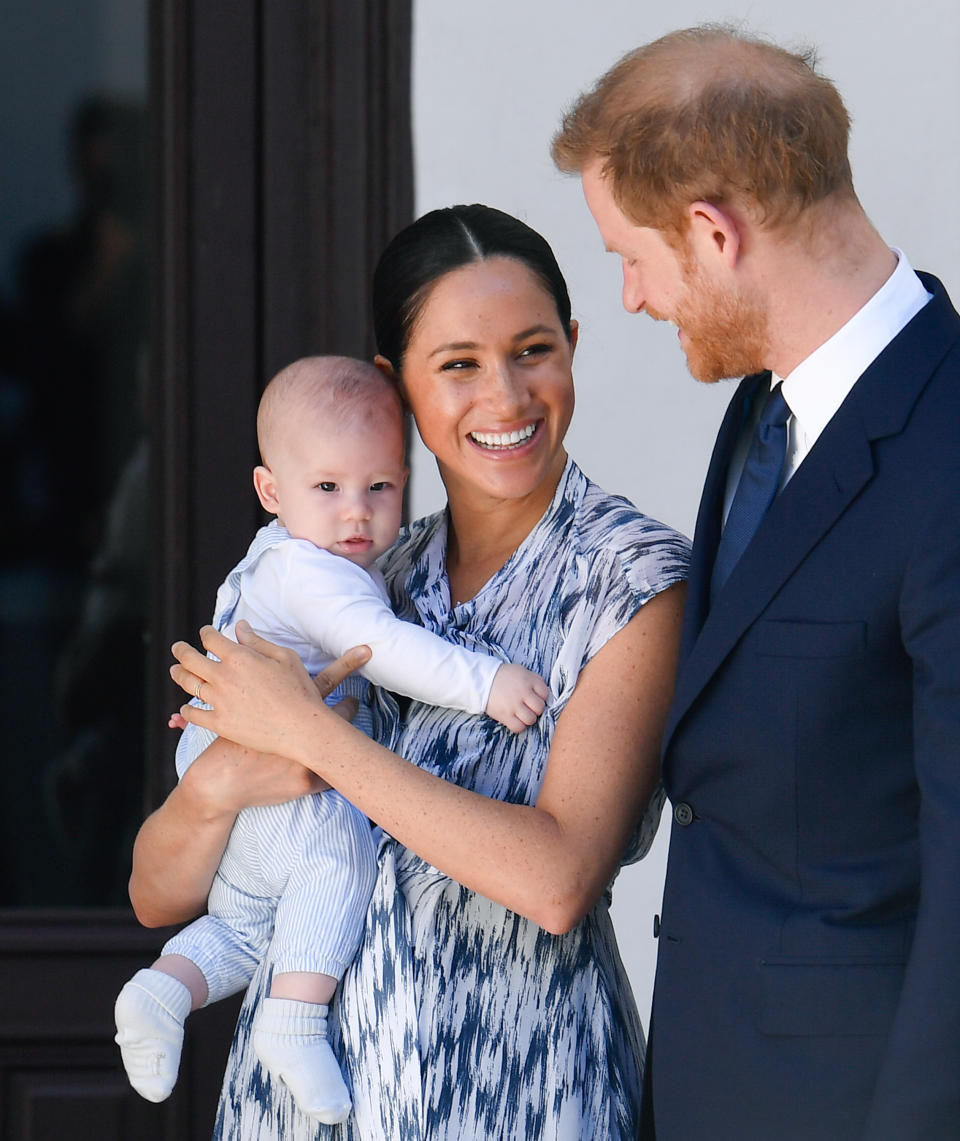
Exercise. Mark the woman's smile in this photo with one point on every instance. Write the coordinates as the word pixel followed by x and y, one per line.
pixel 512 441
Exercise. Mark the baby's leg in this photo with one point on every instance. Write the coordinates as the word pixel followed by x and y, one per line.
pixel 319 923
pixel 150 1012
pixel 211 958
pixel 290 1039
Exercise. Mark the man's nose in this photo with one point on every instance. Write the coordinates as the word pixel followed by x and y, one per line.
pixel 632 294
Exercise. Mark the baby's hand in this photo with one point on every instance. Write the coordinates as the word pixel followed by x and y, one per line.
pixel 517 697
pixel 176 721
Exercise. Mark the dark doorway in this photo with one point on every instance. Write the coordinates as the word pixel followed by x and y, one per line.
pixel 258 161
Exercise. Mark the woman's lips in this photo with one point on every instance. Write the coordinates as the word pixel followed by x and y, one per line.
pixel 506 441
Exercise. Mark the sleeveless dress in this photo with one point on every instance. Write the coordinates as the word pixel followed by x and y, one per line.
pixel 460 1020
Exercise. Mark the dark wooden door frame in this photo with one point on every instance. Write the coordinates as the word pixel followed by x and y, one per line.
pixel 285 164
pixel 282 163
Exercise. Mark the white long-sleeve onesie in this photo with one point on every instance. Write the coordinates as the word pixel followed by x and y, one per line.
pixel 300 874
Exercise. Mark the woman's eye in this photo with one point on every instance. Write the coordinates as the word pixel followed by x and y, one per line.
pixel 535 351
pixel 327 485
pixel 456 366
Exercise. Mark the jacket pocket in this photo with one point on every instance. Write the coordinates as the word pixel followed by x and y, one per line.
pixel 803 997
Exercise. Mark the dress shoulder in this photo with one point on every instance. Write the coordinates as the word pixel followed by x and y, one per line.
pixel 640 555
pixel 612 522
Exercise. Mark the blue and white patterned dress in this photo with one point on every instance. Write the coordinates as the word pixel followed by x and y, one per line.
pixel 460 1020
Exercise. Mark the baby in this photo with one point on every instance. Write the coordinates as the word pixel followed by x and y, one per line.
pixel 297 878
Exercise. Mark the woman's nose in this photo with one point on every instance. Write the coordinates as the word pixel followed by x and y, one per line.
pixel 508 387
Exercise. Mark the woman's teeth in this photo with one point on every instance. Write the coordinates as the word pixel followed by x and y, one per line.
pixel 504 439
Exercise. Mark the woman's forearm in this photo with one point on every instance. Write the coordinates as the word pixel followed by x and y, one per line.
pixel 548 862
pixel 175 857
pixel 179 847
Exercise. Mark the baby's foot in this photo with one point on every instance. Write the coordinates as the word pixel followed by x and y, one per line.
pixel 290 1039
pixel 150 1012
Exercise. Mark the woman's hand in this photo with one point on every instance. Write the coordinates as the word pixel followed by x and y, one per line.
pixel 260 693
pixel 180 845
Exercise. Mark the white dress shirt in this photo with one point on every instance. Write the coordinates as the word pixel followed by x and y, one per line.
pixel 819 385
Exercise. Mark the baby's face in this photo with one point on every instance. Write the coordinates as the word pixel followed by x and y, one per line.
pixel 341 487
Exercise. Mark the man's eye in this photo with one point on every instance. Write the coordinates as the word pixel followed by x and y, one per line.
pixel 327 485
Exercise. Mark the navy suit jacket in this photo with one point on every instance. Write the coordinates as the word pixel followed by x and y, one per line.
pixel 808 979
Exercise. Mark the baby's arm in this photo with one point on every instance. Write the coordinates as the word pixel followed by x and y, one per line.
pixel 413 661
pixel 339 605
pixel 517 697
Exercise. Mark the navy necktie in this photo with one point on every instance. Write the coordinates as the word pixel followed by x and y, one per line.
pixel 757 489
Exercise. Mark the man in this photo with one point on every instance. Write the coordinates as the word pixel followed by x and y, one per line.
pixel 808 982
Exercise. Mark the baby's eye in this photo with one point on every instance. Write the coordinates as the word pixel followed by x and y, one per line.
pixel 382 485
pixel 327 485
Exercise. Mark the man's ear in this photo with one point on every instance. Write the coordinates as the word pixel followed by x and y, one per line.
pixel 266 489
pixel 714 233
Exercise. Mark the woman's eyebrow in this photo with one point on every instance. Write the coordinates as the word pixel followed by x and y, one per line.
pixel 453 347
pixel 467 346
pixel 533 330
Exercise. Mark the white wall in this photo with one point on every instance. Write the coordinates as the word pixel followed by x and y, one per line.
pixel 490 83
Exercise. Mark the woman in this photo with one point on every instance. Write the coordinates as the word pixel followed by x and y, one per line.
pixel 488 999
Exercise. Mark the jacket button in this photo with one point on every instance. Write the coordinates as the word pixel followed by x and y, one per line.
pixel 656 927
pixel 683 814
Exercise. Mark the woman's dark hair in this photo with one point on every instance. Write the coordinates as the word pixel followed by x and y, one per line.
pixel 445 240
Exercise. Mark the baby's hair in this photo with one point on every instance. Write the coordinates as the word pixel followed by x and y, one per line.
pixel 342 389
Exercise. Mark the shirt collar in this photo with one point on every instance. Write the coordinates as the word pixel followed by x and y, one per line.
pixel 817 387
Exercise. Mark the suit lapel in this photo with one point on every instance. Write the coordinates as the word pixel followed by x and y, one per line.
pixel 838 467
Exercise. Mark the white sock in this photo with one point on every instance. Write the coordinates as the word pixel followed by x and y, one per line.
pixel 150 1013
pixel 290 1039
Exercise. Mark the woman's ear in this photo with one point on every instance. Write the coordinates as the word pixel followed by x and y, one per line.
pixel 574 336
pixel 266 488
pixel 386 367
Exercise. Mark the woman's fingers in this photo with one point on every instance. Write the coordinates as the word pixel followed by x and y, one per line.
pixel 188 681
pixel 330 677
pixel 190 659
pixel 252 689
pixel 245 637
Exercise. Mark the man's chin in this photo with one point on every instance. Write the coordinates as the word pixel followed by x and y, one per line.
pixel 708 371
pixel 711 370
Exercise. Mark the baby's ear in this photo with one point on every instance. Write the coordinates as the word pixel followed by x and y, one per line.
pixel 266 489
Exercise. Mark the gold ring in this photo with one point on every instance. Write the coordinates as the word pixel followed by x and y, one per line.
pixel 196 692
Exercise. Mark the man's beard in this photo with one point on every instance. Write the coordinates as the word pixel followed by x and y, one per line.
pixel 724 334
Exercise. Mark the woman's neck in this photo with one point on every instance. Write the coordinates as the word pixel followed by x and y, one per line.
pixel 483 532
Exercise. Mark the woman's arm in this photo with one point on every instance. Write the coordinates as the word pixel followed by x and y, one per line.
pixel 550 861
pixel 178 848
